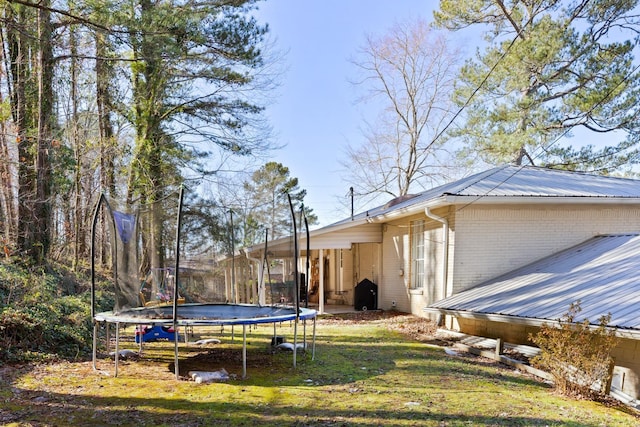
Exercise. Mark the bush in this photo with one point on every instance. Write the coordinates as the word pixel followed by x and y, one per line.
pixel 577 354
pixel 45 314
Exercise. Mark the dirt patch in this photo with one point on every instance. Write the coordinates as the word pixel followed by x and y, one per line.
pixel 379 316
pixel 417 328
pixel 515 355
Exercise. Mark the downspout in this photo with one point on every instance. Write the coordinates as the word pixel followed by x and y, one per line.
pixel 445 247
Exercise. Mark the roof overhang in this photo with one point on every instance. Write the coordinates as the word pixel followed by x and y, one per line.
pixel 517 320
pixel 450 199
pixel 397 213
pixel 337 236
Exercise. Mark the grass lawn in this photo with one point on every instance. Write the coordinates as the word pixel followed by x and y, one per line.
pixel 367 371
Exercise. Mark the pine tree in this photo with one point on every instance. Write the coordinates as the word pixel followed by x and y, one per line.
pixel 269 187
pixel 549 67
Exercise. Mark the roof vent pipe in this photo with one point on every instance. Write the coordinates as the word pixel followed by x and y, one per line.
pixel 445 247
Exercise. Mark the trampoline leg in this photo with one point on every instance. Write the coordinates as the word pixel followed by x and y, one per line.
pixel 304 334
pixel 140 334
pixel 244 351
pixel 95 344
pixel 313 346
pixel 116 357
pixel 295 342
pixel 176 337
pixel 108 330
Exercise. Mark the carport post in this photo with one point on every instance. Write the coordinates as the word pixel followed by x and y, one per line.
pixel 321 291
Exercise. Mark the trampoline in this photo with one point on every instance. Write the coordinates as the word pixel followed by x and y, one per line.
pixel 145 253
pixel 207 315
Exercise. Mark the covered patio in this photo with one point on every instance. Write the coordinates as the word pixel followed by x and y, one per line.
pixel 335 259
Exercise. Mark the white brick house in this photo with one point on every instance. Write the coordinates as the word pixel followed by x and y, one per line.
pixel 425 248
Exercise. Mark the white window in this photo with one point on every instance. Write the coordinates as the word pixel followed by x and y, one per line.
pixel 417 254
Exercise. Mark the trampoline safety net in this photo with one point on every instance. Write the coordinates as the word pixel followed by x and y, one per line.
pixel 143 248
pixel 143 245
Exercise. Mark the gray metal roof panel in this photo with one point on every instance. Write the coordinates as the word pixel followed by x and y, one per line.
pixel 602 273
pixel 519 181
pixel 527 181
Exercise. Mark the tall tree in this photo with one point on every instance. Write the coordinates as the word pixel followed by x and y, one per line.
pixel 268 189
pixel 410 71
pixel 192 62
pixel 550 67
pixel 29 49
pixel 182 74
pixel 39 247
pixel 8 215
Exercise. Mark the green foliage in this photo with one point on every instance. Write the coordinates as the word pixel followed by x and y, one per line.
pixel 5 110
pixel 267 190
pixel 194 64
pixel 42 316
pixel 204 222
pixel 549 67
pixel 576 354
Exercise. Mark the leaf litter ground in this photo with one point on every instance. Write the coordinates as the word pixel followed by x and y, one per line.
pixel 371 368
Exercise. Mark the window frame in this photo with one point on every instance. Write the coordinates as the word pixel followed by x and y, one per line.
pixel 417 253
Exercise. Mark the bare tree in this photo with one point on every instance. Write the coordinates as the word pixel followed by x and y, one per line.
pixel 410 70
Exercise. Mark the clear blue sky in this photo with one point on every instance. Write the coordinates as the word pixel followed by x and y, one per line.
pixel 315 111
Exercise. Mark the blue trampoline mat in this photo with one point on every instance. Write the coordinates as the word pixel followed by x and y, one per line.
pixel 207 314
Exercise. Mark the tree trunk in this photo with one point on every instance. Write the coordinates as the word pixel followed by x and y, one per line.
pixel 17 43
pixel 78 235
pixel 42 202
pixel 7 212
pixel 7 215
pixel 105 127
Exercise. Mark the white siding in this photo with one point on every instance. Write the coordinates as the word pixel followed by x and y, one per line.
pixel 393 285
pixel 344 238
pixel 396 267
pixel 492 240
pixel 347 276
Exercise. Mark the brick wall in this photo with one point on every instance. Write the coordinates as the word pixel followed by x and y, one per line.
pixel 396 267
pixel 626 373
pixel 494 240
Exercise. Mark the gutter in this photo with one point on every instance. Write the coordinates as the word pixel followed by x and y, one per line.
pixel 445 247
pixel 452 199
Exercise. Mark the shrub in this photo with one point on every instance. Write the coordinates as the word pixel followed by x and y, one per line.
pixel 576 354
pixel 45 314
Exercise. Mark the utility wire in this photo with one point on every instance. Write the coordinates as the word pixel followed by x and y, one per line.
pixel 476 90
pixel 558 138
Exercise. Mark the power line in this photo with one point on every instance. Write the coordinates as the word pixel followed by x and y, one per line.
pixel 476 90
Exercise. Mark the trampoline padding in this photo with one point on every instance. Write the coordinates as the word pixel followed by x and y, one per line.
pixel 207 314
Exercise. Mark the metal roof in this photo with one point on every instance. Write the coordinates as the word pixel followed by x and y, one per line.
pixel 506 183
pixel 602 273
pixel 516 182
pixel 528 181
